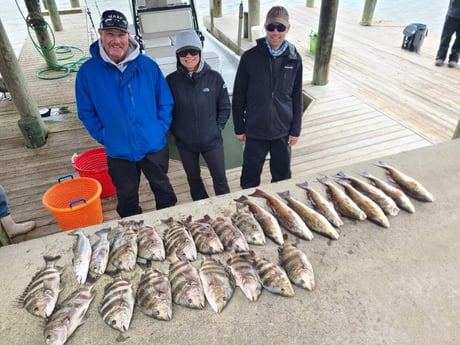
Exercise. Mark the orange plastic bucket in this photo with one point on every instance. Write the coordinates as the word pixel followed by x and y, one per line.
pixel 75 203
pixel 93 163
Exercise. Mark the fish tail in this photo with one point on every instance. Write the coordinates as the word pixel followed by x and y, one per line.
pixel 258 193
pixel 284 194
pixel 241 199
pixel 303 185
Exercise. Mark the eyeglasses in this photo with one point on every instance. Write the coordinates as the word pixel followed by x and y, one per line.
pixel 279 27
pixel 115 23
pixel 192 52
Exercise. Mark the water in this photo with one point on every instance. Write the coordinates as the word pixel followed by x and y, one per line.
pixel 429 12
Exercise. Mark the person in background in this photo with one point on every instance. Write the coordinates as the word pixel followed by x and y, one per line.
pixel 201 110
pixel 451 26
pixel 125 104
pixel 267 101
pixel 11 227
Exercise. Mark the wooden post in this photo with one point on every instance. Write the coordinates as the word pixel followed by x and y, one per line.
pixel 31 122
pixel 253 16
pixel 245 24
pixel 456 134
pixel 327 21
pixel 75 3
pixel 310 3
pixel 45 4
pixel 368 12
pixel 240 27
pixel 39 25
pixel 211 15
pixel 54 15
pixel 216 8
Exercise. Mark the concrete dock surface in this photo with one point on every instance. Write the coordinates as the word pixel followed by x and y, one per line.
pixel 397 285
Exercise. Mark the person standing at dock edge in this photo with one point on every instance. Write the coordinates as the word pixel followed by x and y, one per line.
pixel 125 103
pixel 201 110
pixel 451 26
pixel 267 101
pixel 11 227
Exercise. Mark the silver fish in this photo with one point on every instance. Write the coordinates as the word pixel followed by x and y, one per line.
pixel 314 220
pixel 100 252
pixel 245 275
pixel 186 287
pixel 41 294
pixel 150 244
pixel 272 276
pixel 153 295
pixel 218 283
pixel 267 221
pixel 230 236
pixel 322 205
pixel 409 185
pixel 177 238
pixel 287 218
pixel 297 265
pixel 123 254
pixel 342 202
pixel 387 204
pixel 117 304
pixel 400 198
pixel 69 316
pixel 81 255
pixel 204 236
pixel 244 220
pixel 372 210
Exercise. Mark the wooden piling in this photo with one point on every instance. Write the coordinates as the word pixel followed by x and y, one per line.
pixel 456 134
pixel 216 8
pixel 368 12
pixel 54 15
pixel 75 3
pixel 253 16
pixel 310 3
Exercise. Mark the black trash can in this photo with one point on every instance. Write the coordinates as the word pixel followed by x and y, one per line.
pixel 414 35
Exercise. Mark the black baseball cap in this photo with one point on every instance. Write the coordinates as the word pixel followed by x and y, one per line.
pixel 113 19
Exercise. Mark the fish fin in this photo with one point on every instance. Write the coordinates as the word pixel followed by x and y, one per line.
pixel 284 194
pixel 241 199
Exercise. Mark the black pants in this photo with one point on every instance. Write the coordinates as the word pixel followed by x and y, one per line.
pixel 255 152
pixel 126 178
pixel 216 165
pixel 451 26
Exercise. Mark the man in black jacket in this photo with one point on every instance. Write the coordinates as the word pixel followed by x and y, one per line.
pixel 267 101
pixel 451 26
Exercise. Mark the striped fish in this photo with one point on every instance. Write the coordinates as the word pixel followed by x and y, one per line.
pixel 41 294
pixel 150 244
pixel 69 316
pixel 153 295
pixel 218 283
pixel 123 253
pixel 244 220
pixel 322 205
pixel 272 276
pixel 245 275
pixel 297 265
pixel 204 236
pixel 81 255
pixel 176 238
pixel 100 252
pixel 267 221
pixel 117 304
pixel 230 236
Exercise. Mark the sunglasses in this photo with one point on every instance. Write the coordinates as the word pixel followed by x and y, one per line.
pixel 279 27
pixel 192 52
pixel 115 22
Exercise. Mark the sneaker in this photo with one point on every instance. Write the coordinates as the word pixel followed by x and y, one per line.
pixel 452 64
pixel 439 62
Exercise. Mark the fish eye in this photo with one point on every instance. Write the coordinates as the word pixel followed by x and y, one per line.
pixel 190 300
pixel 113 322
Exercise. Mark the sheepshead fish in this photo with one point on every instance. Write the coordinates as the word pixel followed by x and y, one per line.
pixel 100 252
pixel 267 221
pixel 177 238
pixel 150 245
pixel 117 303
pixel 322 205
pixel 153 295
pixel 230 236
pixel 218 283
pixel 314 220
pixel 41 294
pixel 342 202
pixel 123 254
pixel 204 236
pixel 387 204
pixel 69 316
pixel 409 185
pixel 272 276
pixel 287 217
pixel 186 287
pixel 400 198
pixel 245 275
pixel 371 209
pixel 244 220
pixel 297 265
pixel 81 255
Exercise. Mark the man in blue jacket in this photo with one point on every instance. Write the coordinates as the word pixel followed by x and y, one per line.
pixel 267 101
pixel 125 104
